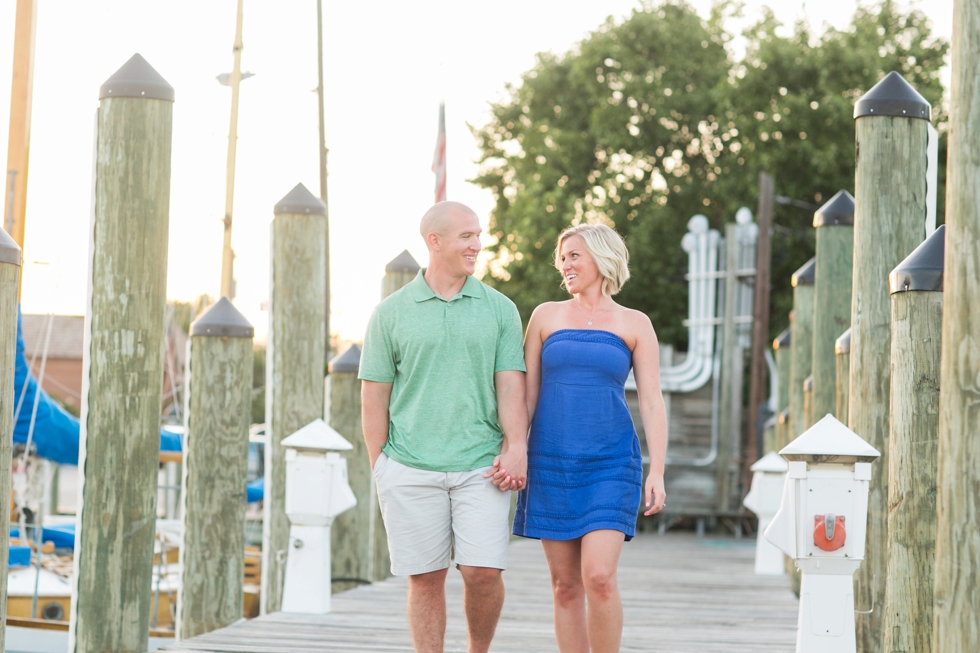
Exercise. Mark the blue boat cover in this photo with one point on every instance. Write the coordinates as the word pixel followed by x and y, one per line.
pixel 61 535
pixel 55 431
pixel 18 556
pixel 256 490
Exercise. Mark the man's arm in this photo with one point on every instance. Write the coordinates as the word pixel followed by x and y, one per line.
pixel 375 422
pixel 510 468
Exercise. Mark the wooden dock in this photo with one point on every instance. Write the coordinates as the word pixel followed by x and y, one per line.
pixel 680 594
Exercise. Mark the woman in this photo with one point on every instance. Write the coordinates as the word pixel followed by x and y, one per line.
pixel 585 472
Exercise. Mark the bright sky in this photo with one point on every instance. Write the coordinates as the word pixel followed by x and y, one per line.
pixel 388 63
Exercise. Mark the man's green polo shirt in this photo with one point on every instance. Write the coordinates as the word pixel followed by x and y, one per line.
pixel 440 357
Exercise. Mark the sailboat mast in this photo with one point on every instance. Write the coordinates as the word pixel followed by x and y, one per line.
pixel 19 134
pixel 227 255
pixel 323 161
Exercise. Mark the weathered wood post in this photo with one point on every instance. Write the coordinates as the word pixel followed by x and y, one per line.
pixel 10 264
pixel 834 223
pixel 350 535
pixel 842 351
pixel 219 403
pixel 889 222
pixel 917 319
pixel 807 402
pixel 294 362
pixel 399 272
pixel 957 601
pixel 782 426
pixel 122 374
pixel 802 356
pixel 782 347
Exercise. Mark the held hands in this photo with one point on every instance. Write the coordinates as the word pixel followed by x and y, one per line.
pixel 654 494
pixel 509 470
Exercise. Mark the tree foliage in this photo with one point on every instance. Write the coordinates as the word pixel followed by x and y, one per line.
pixel 652 120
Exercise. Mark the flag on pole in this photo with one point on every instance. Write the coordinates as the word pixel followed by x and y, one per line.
pixel 439 158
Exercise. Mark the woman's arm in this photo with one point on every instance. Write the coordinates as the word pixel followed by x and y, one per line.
pixel 532 360
pixel 646 371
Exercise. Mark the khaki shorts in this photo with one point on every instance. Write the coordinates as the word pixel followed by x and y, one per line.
pixel 427 514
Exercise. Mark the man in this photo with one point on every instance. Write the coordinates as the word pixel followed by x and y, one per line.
pixel 445 424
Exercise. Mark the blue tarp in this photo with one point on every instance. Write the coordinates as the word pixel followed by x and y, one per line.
pixel 61 535
pixel 55 431
pixel 18 556
pixel 256 490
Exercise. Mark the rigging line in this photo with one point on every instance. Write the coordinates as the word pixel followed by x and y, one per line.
pixel 61 386
pixel 23 389
pixel 37 393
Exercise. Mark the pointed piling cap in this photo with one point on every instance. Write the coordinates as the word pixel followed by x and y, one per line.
pixel 783 417
pixel 783 340
pixel 404 262
pixel 137 78
pixel 10 251
pixel 771 462
pixel 222 319
pixel 893 96
pixel 317 436
pixel 829 441
pixel 349 361
pixel 843 344
pixel 807 274
pixel 302 201
pixel 839 209
pixel 923 268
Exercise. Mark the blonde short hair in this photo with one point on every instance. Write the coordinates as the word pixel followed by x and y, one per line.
pixel 608 251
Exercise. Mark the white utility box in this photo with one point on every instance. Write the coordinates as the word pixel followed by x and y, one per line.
pixel 764 497
pixel 316 492
pixel 822 523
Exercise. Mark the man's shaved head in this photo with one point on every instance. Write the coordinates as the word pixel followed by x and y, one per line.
pixel 439 218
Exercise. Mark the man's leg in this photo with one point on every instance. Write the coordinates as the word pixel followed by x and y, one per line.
pixel 565 564
pixel 427 610
pixel 480 532
pixel 483 598
pixel 600 557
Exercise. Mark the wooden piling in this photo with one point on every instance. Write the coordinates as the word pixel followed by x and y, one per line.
pixel 842 352
pixel 122 377
pixel 834 223
pixel 10 264
pixel 782 429
pixel 802 356
pixel 351 534
pixel 916 305
pixel 889 222
pixel 359 540
pixel 957 599
pixel 760 319
pixel 732 366
pixel 807 402
pixel 781 347
pixel 219 402
pixel 294 363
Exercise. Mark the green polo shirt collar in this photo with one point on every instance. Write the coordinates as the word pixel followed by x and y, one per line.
pixel 421 291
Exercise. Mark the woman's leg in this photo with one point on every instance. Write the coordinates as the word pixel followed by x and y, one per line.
pixel 565 563
pixel 600 555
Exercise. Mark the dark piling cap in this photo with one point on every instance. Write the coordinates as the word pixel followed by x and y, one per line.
pixel 9 250
pixel 770 423
pixel 839 209
pixel 923 268
pixel 807 274
pixel 222 319
pixel 404 262
pixel 349 361
pixel 808 384
pixel 137 78
pixel 783 417
pixel 893 96
pixel 783 340
pixel 843 344
pixel 300 200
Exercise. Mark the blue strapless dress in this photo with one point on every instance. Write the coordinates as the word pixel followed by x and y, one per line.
pixel 585 472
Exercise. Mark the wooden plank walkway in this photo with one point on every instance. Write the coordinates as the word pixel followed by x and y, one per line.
pixel 680 594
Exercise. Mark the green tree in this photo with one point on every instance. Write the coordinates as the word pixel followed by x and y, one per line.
pixel 650 121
